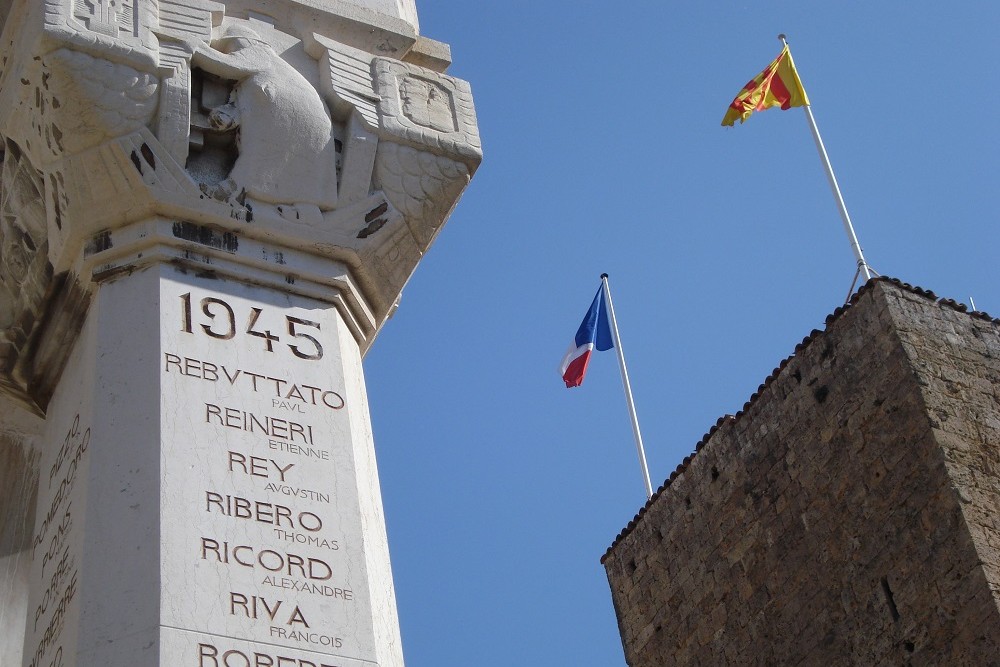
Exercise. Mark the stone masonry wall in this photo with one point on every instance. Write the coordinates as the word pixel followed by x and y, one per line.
pixel 845 517
pixel 958 369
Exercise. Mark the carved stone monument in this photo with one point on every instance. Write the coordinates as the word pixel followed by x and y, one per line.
pixel 207 212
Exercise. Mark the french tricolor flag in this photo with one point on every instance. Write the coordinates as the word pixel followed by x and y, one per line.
pixel 594 332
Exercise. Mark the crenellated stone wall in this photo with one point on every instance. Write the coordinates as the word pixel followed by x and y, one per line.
pixel 846 516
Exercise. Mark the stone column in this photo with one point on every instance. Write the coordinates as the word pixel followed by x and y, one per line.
pixel 208 212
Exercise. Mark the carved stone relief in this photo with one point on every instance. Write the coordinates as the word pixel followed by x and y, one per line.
pixel 427 103
pixel 108 16
pixel 285 143
pixel 24 268
pixel 123 28
pixel 419 185
pixel 429 111
pixel 135 108
pixel 402 102
pixel 212 150
pixel 84 101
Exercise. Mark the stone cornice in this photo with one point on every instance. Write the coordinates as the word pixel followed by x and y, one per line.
pixel 319 148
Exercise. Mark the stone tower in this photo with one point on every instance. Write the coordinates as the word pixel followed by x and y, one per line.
pixel 208 210
pixel 846 516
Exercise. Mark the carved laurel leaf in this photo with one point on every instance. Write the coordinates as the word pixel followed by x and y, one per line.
pixel 421 185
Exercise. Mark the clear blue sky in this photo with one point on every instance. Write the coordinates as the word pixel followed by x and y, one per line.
pixel 600 124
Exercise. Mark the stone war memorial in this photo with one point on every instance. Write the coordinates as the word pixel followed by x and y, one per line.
pixel 209 210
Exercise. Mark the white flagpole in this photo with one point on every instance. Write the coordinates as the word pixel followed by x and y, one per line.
pixel 628 388
pixel 844 216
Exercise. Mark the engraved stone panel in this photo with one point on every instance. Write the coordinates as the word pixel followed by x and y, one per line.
pixel 57 544
pixel 260 469
pixel 214 489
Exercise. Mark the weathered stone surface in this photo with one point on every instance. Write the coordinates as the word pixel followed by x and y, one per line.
pixel 207 212
pixel 215 486
pixel 847 516
pixel 19 433
pixel 328 127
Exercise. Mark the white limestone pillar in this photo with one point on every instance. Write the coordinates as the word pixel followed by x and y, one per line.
pixel 207 213
pixel 214 499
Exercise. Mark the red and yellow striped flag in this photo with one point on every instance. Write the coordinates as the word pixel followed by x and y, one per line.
pixel 777 86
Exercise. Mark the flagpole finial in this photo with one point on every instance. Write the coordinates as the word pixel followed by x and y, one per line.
pixel 603 276
pixel 783 38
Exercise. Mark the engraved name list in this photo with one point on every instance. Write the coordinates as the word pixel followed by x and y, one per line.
pixel 262 494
